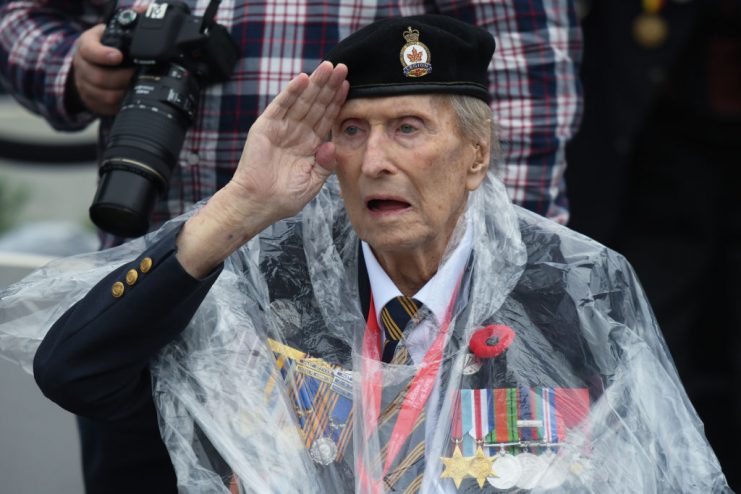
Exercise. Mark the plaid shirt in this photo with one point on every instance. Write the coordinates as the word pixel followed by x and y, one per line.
pixel 535 90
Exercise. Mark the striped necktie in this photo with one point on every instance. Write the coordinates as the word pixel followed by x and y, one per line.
pixel 395 316
pixel 399 315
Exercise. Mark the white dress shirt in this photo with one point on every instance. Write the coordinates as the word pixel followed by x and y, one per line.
pixel 436 294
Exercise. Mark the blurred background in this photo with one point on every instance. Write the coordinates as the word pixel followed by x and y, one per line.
pixel 655 173
pixel 47 181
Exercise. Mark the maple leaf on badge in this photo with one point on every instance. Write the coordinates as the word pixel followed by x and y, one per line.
pixel 415 56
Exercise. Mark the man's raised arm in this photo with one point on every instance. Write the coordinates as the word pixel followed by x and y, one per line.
pixel 94 360
pixel 285 162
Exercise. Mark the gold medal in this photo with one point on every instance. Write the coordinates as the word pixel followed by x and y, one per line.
pixel 456 467
pixel 650 30
pixel 480 466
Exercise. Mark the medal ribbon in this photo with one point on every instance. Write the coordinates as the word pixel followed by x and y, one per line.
pixel 513 433
pixel 530 409
pixel 525 414
pixel 419 389
pixel 538 409
pixel 467 422
pixel 457 431
pixel 477 415
pixel 550 419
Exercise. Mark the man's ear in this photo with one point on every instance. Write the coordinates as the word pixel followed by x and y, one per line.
pixel 479 165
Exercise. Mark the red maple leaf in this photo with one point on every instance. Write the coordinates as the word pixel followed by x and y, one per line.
pixel 415 56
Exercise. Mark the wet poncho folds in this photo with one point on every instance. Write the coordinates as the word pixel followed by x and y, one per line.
pixel 548 372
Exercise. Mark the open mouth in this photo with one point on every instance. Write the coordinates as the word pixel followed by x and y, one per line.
pixel 387 205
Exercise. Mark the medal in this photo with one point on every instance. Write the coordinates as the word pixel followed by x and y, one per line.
pixel 456 467
pixel 323 451
pixel 480 466
pixel 505 471
pixel 327 429
pixel 556 473
pixel 650 29
pixel 471 364
pixel 578 466
pixel 533 468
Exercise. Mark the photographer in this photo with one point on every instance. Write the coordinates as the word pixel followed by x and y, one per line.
pixel 52 61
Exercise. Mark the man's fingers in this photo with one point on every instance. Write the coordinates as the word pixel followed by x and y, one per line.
pixel 92 51
pixel 304 99
pixel 328 92
pixel 282 103
pixel 312 107
pixel 303 105
pixel 331 99
pixel 324 125
pixel 103 77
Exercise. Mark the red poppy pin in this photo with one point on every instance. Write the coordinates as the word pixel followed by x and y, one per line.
pixel 491 341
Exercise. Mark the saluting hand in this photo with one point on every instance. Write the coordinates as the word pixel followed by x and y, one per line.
pixel 285 161
pixel 286 157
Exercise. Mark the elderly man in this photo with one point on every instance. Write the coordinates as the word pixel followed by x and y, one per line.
pixel 418 335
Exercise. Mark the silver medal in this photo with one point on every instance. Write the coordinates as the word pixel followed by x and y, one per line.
pixel 557 470
pixel 579 466
pixel 323 451
pixel 532 470
pixel 471 364
pixel 505 471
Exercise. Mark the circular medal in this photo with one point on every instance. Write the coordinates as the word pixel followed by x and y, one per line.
pixel 532 470
pixel 471 364
pixel 650 30
pixel 557 470
pixel 505 472
pixel 323 451
pixel 578 466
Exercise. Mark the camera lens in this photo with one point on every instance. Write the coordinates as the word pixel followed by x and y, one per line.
pixel 143 147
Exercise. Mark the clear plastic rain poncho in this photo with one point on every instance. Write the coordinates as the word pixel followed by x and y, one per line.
pixel 275 386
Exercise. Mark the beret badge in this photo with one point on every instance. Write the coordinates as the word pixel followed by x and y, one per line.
pixel 415 56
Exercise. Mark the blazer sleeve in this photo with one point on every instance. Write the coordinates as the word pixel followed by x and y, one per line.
pixel 94 360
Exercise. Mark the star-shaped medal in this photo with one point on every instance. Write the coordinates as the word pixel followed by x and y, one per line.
pixel 480 467
pixel 456 467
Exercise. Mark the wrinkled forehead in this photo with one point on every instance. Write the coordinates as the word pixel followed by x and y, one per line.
pixel 433 107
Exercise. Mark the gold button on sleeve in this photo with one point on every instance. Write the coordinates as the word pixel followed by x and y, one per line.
pixel 131 277
pixel 117 289
pixel 145 265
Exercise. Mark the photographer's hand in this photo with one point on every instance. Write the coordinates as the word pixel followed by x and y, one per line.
pixel 285 161
pixel 100 85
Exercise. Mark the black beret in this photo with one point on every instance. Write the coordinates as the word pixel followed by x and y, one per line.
pixel 416 55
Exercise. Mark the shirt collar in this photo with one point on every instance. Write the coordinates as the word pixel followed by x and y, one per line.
pixel 436 293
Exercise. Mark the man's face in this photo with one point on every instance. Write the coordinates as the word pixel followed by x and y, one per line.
pixel 405 172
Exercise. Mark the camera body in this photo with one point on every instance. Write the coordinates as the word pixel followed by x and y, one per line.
pixel 176 54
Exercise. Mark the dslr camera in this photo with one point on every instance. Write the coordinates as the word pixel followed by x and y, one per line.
pixel 176 54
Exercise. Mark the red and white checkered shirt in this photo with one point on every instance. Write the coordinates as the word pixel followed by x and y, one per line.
pixel 534 84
